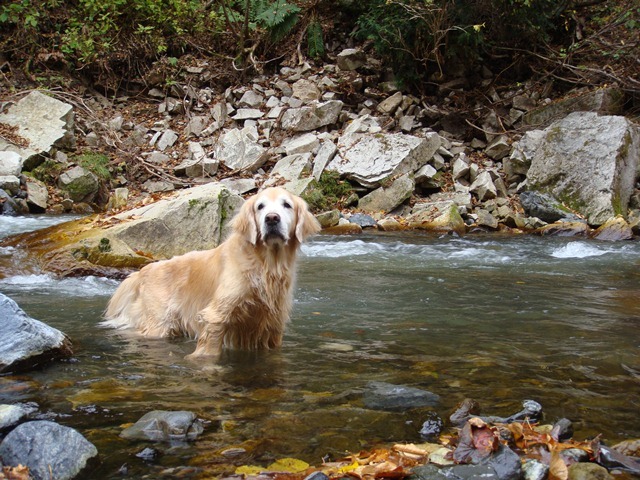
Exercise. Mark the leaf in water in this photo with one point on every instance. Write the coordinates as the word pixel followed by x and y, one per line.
pixel 291 465
pixel 477 441
pixel 249 470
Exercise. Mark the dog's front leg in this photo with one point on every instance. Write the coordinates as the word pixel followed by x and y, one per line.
pixel 210 336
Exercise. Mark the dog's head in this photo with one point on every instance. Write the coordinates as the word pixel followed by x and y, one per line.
pixel 275 217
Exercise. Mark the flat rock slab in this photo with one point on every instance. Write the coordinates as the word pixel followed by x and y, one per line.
pixel 42 122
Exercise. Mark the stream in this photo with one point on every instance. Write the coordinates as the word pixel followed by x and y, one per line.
pixel 500 319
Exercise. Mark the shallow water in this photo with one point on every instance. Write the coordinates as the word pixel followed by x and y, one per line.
pixel 499 319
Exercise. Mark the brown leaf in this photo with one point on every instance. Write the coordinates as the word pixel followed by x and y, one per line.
pixel 557 468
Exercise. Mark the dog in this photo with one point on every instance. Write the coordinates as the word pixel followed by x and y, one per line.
pixel 238 295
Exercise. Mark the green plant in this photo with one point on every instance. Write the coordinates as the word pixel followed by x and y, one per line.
pixel 48 171
pixel 315 40
pixel 97 163
pixel 329 192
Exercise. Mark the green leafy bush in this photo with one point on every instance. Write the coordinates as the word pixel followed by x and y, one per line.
pixel 329 192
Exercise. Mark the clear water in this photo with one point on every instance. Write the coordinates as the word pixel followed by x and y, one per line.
pixel 496 318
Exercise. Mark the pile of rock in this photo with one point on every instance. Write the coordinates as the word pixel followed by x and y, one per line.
pixel 412 164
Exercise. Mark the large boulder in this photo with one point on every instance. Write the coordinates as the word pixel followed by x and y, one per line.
pixel 42 123
pixel 26 342
pixel 80 184
pixel 589 163
pixel 48 449
pixel 191 219
pixel 372 159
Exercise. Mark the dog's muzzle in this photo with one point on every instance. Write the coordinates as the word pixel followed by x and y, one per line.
pixel 273 227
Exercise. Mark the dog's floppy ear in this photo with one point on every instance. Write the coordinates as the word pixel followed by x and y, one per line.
pixel 245 222
pixel 307 224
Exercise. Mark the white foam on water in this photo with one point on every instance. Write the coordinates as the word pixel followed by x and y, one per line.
pixel 48 284
pixel 579 250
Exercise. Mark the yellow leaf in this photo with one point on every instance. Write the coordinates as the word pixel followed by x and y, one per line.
pixel 249 470
pixel 349 468
pixel 290 465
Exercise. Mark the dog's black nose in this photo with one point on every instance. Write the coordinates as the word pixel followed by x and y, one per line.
pixel 272 219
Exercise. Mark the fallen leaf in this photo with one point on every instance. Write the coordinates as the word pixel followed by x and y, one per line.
pixel 291 465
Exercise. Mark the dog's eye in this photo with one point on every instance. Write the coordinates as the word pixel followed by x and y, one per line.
pixel 260 206
pixel 286 204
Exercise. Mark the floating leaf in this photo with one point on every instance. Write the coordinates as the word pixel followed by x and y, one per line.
pixel 290 465
pixel 249 470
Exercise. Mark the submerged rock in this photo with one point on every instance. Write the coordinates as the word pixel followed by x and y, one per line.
pixel 48 449
pixel 26 342
pixel 165 426
pixel 387 396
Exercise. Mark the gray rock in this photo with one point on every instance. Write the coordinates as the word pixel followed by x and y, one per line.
pixel 427 177
pixel 604 101
pixel 365 221
pixel 12 414
pixel 460 167
pixel 385 199
pixel 158 158
pixel 37 195
pixel 44 122
pixel 10 164
pixel 483 187
pixel 441 214
pixel 193 219
pixel 614 229
pixel 311 117
pixel 307 142
pixel 351 59
pixel 387 396
pixel 588 471
pixel 8 206
pixel 155 186
pixel 239 185
pixel 247 114
pixel 499 147
pixel 589 163
pixel 485 219
pixel 10 183
pixel 371 159
pixel 329 219
pixel 165 426
pixel 505 462
pixel 305 90
pixel 544 207
pixel 80 184
pixel 251 99
pixel 522 153
pixel 48 449
pixel 196 125
pixel 389 105
pixel 26 342
pixel 167 139
pixel 534 470
pixel 325 154
pixel 239 150
pixel 471 472
pixel 290 168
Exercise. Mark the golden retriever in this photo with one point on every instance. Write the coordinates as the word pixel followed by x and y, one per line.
pixel 238 295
